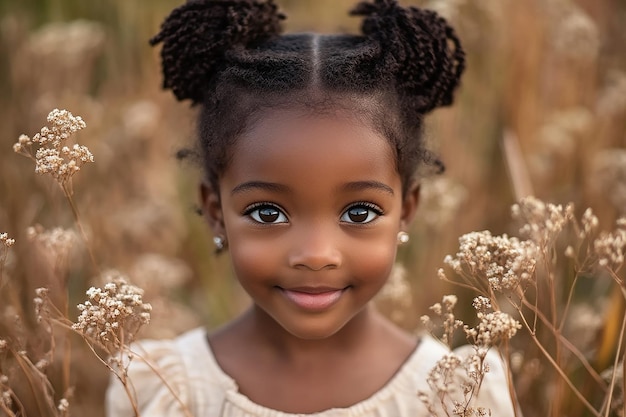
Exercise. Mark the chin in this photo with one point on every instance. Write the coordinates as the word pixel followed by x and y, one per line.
pixel 312 335
pixel 313 329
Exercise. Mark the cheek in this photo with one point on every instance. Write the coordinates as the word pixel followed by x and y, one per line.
pixel 253 259
pixel 373 261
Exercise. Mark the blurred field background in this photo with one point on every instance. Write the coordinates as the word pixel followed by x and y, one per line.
pixel 548 74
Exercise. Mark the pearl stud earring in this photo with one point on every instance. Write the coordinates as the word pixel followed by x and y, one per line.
pixel 403 237
pixel 219 242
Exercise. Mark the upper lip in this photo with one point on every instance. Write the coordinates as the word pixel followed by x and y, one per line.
pixel 314 290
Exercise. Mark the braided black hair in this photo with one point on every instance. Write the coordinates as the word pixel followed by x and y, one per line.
pixel 230 57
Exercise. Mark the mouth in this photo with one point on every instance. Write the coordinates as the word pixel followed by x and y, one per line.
pixel 313 298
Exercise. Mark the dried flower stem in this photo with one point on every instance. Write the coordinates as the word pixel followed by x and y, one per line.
pixel 516 166
pixel 167 385
pixel 124 382
pixel 61 163
pixel 509 379
pixel 79 224
pixel 68 344
pixel 624 384
pixel 570 295
pixel 562 339
pixel 558 356
pixel 28 368
pixel 615 364
pixel 63 322
pixel 67 356
pixel 20 405
pixel 114 372
pixel 558 369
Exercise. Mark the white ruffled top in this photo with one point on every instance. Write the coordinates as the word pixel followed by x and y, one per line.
pixel 188 368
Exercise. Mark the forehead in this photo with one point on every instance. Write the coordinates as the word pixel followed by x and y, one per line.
pixel 330 147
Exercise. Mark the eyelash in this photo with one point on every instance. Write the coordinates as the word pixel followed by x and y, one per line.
pixel 253 207
pixel 374 207
pixel 370 206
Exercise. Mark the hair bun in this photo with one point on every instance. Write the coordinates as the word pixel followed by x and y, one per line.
pixel 197 35
pixel 420 48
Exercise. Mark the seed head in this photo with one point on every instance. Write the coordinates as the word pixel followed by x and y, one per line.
pixel 493 328
pixel 51 155
pixel 6 241
pixel 64 405
pixel 482 304
pixel 504 262
pixel 610 247
pixel 541 222
pixel 113 314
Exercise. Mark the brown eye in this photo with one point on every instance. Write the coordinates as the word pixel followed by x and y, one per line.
pixel 361 213
pixel 358 214
pixel 267 214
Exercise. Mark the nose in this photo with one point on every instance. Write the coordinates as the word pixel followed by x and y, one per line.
pixel 315 248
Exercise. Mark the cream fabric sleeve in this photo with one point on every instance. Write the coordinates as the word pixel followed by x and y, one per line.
pixel 157 383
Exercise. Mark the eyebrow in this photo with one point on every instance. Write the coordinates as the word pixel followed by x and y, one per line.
pixel 259 185
pixel 368 185
pixel 280 188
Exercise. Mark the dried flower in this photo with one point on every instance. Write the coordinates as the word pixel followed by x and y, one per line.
pixel 481 304
pixel 7 398
pixel 454 382
pixel 608 175
pixel 57 242
pixel 397 288
pixel 42 364
pixel 6 241
pixel 440 201
pixel 574 34
pixel 610 247
pixel 444 311
pixel 493 328
pixel 141 119
pixel 156 272
pixel 504 262
pixel 70 43
pixel 612 100
pixel 542 222
pixel 441 376
pixel 64 405
pixel 590 223
pixel 449 8
pixel 562 131
pixel 397 293
pixel 583 324
pixel 51 156
pixel 41 303
pixel 113 315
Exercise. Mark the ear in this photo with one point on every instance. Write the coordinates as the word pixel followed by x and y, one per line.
pixel 212 209
pixel 409 205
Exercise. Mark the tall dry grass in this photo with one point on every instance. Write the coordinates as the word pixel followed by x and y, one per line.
pixel 542 112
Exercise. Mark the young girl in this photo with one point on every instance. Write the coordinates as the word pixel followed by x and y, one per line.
pixel 310 145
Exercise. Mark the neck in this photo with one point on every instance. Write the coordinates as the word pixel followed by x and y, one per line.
pixel 265 332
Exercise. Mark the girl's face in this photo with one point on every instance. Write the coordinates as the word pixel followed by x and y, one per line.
pixel 311 206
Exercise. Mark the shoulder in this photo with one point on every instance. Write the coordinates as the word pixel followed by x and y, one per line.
pixel 174 377
pixel 432 366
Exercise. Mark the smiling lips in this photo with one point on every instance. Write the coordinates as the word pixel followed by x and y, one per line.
pixel 314 299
